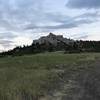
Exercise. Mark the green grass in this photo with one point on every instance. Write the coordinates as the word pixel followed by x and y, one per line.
pixel 32 76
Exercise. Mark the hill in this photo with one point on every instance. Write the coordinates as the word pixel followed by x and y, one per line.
pixel 53 43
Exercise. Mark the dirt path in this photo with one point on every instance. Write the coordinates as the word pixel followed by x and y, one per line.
pixel 78 84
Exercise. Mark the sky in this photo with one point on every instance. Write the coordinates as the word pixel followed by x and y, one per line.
pixel 22 21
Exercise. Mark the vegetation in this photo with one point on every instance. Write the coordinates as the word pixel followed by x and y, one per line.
pixel 31 77
pixel 75 47
pixel 51 72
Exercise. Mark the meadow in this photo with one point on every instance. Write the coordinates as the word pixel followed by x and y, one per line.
pixel 34 77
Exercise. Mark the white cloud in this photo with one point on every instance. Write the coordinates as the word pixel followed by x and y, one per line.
pixel 22 41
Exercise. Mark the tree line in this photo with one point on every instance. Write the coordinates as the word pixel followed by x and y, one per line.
pixel 74 47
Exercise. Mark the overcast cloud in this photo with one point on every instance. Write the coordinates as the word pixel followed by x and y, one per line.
pixel 22 20
pixel 84 4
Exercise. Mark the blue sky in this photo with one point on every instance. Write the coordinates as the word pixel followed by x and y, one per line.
pixel 21 21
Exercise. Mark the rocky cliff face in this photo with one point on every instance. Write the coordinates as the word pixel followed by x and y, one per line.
pixel 53 39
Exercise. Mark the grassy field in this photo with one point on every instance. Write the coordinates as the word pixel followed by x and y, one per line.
pixel 32 77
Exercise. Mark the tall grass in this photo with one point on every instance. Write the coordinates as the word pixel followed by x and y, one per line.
pixel 33 76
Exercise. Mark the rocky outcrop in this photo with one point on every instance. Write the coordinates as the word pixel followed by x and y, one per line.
pixel 53 39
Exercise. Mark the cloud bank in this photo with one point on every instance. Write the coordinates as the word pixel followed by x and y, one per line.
pixel 19 19
pixel 84 4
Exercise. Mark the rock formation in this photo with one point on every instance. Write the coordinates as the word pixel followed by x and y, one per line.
pixel 53 39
